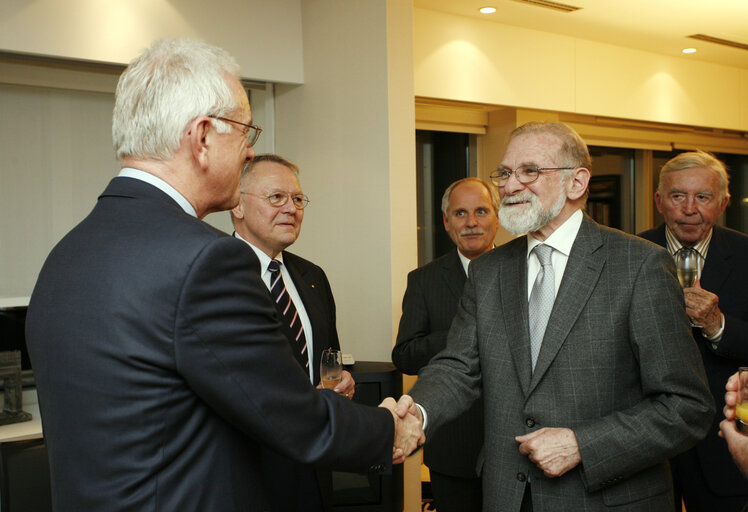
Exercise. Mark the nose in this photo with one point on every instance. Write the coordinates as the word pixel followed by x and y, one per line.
pixel 250 154
pixel 512 185
pixel 472 220
pixel 288 206
pixel 689 205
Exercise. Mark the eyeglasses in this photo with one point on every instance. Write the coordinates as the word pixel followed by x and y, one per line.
pixel 524 173
pixel 278 199
pixel 251 131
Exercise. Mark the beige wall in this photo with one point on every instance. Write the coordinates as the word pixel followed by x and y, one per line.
pixel 464 59
pixel 353 140
pixel 263 35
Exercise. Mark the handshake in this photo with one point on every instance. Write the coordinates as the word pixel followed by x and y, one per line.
pixel 408 427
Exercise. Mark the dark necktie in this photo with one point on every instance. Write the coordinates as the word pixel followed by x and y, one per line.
pixel 542 297
pixel 288 311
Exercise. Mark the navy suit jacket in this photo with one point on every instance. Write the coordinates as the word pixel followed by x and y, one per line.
pixel 429 305
pixel 725 274
pixel 161 369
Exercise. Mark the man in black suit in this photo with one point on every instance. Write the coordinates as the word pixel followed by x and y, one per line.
pixel 692 194
pixel 268 218
pixel 158 356
pixel 470 214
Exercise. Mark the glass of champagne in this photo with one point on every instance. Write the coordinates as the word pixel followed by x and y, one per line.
pixel 686 266
pixel 741 407
pixel 330 368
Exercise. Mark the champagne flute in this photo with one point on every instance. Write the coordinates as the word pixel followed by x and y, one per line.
pixel 330 368
pixel 741 407
pixel 686 266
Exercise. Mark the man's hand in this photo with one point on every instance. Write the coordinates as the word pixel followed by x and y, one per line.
pixel 408 432
pixel 731 398
pixel 346 387
pixel 702 307
pixel 737 443
pixel 554 450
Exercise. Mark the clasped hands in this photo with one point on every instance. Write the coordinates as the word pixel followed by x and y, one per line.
pixel 408 427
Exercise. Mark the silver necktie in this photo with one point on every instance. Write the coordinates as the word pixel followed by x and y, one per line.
pixel 541 300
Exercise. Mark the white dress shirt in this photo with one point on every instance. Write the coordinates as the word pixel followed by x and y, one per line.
pixel 292 292
pixel 129 172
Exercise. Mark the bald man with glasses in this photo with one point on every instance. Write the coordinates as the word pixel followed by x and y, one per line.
pixel 268 218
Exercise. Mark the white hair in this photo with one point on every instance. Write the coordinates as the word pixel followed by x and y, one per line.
pixel 161 91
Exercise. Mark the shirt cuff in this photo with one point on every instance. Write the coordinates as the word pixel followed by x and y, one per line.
pixel 425 417
pixel 718 335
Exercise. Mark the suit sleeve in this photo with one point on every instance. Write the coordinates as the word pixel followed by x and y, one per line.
pixel 677 408
pixel 231 352
pixel 416 342
pixel 734 343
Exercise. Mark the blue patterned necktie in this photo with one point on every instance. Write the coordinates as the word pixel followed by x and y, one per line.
pixel 541 301
pixel 289 313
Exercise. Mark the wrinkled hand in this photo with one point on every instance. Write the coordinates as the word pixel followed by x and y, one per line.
pixel 408 432
pixel 731 398
pixel 702 307
pixel 346 387
pixel 737 443
pixel 554 450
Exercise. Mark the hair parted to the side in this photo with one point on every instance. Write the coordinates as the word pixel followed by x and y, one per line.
pixel 268 157
pixel 492 192
pixel 693 159
pixel 161 91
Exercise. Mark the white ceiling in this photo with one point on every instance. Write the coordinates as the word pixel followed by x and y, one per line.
pixel 659 26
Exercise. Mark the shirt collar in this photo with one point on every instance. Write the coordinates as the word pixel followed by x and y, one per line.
pixel 264 258
pixel 562 239
pixel 674 245
pixel 129 172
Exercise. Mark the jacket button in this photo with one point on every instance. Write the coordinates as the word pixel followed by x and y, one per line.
pixel 530 422
pixel 521 477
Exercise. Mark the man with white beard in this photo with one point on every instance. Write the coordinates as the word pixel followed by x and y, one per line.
pixel 577 339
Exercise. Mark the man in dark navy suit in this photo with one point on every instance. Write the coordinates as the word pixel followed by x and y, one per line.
pixel 470 214
pixel 692 194
pixel 159 361
pixel 268 218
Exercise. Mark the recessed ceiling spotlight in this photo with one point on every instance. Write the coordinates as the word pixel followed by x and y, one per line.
pixel 689 50
pixel 487 10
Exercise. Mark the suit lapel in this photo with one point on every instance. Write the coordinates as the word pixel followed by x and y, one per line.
pixel 582 273
pixel 512 307
pixel 453 274
pixel 716 266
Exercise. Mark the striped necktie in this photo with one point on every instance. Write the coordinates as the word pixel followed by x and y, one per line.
pixel 289 313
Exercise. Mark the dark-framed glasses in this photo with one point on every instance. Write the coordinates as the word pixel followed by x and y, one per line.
pixel 278 199
pixel 251 132
pixel 524 173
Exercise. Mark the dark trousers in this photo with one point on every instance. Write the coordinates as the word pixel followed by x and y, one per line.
pixel 455 494
pixel 690 486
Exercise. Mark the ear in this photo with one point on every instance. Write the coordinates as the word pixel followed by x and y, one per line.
pixel 658 201
pixel 578 183
pixel 723 205
pixel 200 140
pixel 446 224
pixel 238 210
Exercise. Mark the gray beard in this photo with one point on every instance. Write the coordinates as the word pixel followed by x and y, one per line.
pixel 532 217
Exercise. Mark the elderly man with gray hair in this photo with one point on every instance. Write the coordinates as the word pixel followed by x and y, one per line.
pixel 692 194
pixel 159 361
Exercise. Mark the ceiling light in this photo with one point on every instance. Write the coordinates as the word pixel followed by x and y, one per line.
pixel 487 10
pixel 689 50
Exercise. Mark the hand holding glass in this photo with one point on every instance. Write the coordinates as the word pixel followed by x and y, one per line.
pixel 330 368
